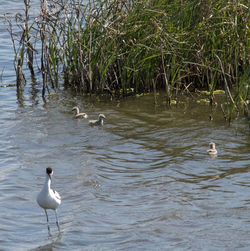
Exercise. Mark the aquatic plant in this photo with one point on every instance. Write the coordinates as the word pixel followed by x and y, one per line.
pixel 121 46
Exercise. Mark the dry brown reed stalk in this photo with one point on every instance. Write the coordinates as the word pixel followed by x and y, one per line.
pixel 27 35
pixel 90 72
pixel 168 97
pixel 44 55
pixel 79 12
pixel 225 81
pixel 25 46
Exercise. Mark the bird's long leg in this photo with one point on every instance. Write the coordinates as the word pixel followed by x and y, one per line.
pixel 47 220
pixel 57 222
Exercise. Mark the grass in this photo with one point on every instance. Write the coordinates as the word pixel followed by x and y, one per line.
pixel 119 47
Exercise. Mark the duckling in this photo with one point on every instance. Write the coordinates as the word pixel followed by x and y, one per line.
pixel 98 122
pixel 79 115
pixel 212 149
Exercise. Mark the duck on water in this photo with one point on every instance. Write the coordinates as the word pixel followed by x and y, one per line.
pixel 212 150
pixel 79 115
pixel 97 122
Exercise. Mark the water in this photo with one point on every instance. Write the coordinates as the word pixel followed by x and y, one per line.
pixel 141 182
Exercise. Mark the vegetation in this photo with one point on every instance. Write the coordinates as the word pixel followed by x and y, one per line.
pixel 133 46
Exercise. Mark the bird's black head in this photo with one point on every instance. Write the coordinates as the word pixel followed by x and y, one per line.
pixel 49 171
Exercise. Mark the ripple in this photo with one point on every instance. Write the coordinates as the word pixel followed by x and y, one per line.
pixel 142 181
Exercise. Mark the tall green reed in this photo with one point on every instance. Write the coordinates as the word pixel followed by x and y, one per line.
pixel 124 47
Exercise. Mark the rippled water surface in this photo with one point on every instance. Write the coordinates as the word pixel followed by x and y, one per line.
pixel 143 181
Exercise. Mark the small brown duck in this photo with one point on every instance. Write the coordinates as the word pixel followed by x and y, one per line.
pixel 79 115
pixel 212 150
pixel 98 122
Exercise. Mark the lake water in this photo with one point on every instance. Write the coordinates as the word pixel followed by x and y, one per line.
pixel 143 181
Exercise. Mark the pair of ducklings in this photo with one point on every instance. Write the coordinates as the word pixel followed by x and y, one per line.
pixel 79 115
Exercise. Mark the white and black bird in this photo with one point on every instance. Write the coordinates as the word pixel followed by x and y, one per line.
pixel 49 198
pixel 212 150
pixel 97 122
pixel 78 114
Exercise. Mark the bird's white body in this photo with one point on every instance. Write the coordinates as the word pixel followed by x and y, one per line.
pixel 79 115
pixel 49 198
pixel 98 122
pixel 212 150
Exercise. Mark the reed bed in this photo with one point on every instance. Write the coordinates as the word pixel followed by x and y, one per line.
pixel 124 47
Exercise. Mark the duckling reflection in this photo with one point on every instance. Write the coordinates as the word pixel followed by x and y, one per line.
pixel 79 115
pixel 97 122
